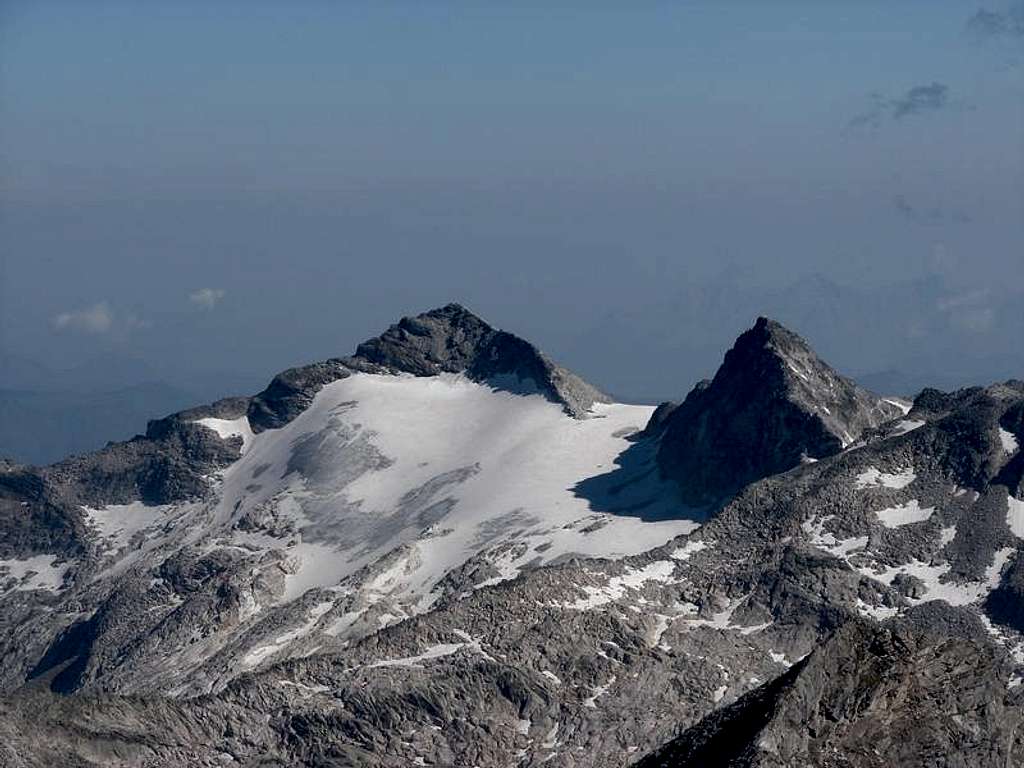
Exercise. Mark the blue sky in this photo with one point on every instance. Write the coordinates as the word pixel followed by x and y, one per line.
pixel 111 99
pixel 329 166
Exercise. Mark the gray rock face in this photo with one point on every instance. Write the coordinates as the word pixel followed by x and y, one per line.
pixel 454 340
pixel 291 392
pixel 444 340
pixel 772 404
pixel 32 521
pixel 172 465
pixel 869 696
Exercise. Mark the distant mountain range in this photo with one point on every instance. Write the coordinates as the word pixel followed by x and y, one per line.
pixel 446 549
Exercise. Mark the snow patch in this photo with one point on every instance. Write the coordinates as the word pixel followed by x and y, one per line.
pixel 36 572
pixel 552 676
pixel 874 478
pixel 551 740
pixel 615 588
pixel 951 592
pixel 723 619
pixel 818 537
pixel 879 612
pixel 117 525
pixel 433 652
pixel 689 549
pixel 438 651
pixel 261 653
pixel 1015 515
pixel 226 428
pixel 303 686
pixel 597 692
pixel 1009 441
pixel 905 514
pixel 797 371
pixel 903 406
pixel 907 425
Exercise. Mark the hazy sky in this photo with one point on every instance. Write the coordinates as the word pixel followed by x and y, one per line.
pixel 223 189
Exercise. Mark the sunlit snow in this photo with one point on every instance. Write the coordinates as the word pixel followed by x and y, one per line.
pixel 118 525
pixel 904 514
pixel 873 478
pixel 1015 515
pixel 617 586
pixel 37 572
pixel 952 592
pixel 907 425
pixel 1008 441
pixel 449 468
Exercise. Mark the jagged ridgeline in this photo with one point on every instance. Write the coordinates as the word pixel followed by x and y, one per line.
pixel 447 550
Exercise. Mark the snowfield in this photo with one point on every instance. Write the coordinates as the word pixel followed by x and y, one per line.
pixel 439 470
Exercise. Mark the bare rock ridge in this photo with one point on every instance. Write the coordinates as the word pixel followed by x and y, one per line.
pixel 449 339
pixel 772 404
pixel 454 340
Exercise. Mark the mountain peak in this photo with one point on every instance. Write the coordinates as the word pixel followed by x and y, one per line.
pixel 772 404
pixel 765 324
pixel 771 336
pixel 443 340
pixel 451 339
pixel 448 339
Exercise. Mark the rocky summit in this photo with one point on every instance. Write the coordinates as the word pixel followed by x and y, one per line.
pixel 447 550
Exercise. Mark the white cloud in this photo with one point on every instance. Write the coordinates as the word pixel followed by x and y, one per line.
pixel 207 298
pixel 98 318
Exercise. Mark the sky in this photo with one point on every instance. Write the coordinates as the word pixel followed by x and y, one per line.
pixel 207 193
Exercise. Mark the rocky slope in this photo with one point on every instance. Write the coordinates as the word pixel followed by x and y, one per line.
pixel 910 692
pixel 858 610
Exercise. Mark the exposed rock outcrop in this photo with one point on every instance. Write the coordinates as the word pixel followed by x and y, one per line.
pixel 454 340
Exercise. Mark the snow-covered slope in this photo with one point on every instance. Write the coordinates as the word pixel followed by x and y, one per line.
pixel 447 466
